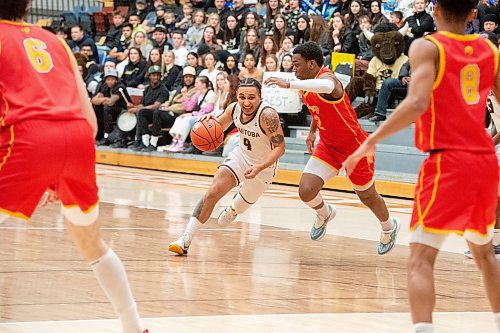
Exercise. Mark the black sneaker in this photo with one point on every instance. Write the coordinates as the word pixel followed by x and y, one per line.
pixel 376 118
pixel 140 147
pixel 134 144
pixel 118 144
pixel 148 149
pixel 103 142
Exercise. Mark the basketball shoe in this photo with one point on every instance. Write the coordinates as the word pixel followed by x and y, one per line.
pixel 496 248
pixel 181 245
pixel 227 216
pixel 388 238
pixel 318 230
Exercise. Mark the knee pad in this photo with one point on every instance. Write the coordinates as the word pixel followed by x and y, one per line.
pixel 80 218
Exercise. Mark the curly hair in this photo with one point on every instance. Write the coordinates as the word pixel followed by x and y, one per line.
pixel 456 10
pixel 13 9
pixel 310 51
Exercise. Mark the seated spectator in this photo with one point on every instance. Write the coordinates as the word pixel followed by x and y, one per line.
pixel 365 49
pixel 472 25
pixel 286 48
pixel 120 52
pixel 232 35
pixel 184 21
pixel 210 71
pixel 273 9
pixel 344 8
pixel 153 60
pixel 271 63
pixel 221 92
pixel 280 30
pixel 78 38
pixel 487 7
pixel 140 41
pixel 240 10
pixel 391 90
pixel 154 17
pixel 332 8
pixel 136 24
pixel 490 24
pixel 222 11
pixel 314 7
pixel 135 71
pixel 195 32
pixel 110 98
pixel 231 65
pixel 91 66
pixel 389 7
pixel 170 72
pixel 420 22
pixel 160 39
pixel 318 30
pixel 251 45
pixel 202 102
pixel 140 10
pixel 356 9
pixel 293 11
pixel 251 21
pixel 375 14
pixel 286 64
pixel 396 18
pixel 269 47
pixel 250 68
pixel 179 49
pixel 303 31
pixel 115 32
pixel 154 95
pixel 209 39
pixel 214 22
pixel 94 84
pixel 169 23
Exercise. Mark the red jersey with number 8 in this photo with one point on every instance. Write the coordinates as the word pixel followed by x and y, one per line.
pixel 53 95
pixel 455 118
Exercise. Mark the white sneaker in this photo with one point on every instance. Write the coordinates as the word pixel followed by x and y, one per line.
pixel 227 216
pixel 318 230
pixel 181 245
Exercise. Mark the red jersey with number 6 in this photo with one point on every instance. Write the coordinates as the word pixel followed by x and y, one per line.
pixel 455 118
pixel 53 94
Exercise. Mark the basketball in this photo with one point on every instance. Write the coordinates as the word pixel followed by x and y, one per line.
pixel 207 135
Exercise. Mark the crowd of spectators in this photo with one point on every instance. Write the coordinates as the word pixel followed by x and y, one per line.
pixel 184 56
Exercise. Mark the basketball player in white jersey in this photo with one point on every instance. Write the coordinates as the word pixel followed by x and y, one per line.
pixel 252 165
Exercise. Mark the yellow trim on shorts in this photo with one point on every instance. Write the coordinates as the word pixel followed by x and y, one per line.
pixel 9 150
pixel 324 162
pixel 451 231
pixel 87 211
pixel 421 216
pixel 14 214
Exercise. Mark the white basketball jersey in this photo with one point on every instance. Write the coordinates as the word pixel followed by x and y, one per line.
pixel 254 143
pixel 494 109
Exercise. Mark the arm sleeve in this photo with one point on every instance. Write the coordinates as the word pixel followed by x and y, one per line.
pixel 322 86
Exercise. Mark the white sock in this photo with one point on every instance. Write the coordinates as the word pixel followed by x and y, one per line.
pixel 154 141
pixel 192 227
pixel 323 211
pixel 497 320
pixel 318 200
pixel 112 277
pixel 387 225
pixel 423 328
pixel 145 140
pixel 106 135
pixel 496 236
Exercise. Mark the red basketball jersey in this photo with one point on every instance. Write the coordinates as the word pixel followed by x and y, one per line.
pixel 47 89
pixel 336 120
pixel 455 117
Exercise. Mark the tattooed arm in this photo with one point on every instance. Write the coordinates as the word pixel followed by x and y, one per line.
pixel 270 123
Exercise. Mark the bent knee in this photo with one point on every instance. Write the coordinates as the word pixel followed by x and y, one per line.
pixel 307 192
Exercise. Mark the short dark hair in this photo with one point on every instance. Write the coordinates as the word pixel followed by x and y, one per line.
pixel 456 10
pixel 128 25
pixel 310 51
pixel 250 82
pixel 178 32
pixel 13 9
pixel 398 14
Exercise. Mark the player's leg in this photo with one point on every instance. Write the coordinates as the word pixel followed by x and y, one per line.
pixel 316 173
pixel 364 185
pixel 224 180
pixel 76 187
pixel 250 191
pixel 424 247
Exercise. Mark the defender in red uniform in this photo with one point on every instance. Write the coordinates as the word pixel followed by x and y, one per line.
pixel 452 75
pixel 47 129
pixel 340 135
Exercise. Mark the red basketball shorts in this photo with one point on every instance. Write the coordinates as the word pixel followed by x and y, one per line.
pixel 456 192
pixel 39 154
pixel 326 161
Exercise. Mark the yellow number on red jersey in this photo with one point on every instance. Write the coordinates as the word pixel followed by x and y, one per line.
pixel 37 53
pixel 469 82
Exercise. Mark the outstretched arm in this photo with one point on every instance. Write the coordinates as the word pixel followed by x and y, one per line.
pixel 270 122
pixel 423 59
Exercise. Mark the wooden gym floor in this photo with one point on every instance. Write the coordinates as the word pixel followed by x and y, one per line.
pixel 260 274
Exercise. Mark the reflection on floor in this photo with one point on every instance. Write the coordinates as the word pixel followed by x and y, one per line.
pixel 262 273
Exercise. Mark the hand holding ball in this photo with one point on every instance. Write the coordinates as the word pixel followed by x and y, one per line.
pixel 207 135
